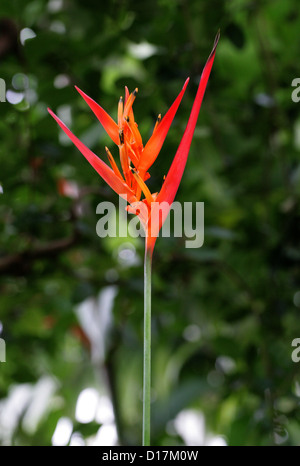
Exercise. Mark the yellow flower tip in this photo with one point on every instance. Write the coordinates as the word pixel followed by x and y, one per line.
pixel 158 120
pixel 113 164
pixel 135 91
pixel 120 112
pixel 142 185
pixel 121 137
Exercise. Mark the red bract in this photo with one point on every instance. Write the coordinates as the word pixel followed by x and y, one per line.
pixel 135 159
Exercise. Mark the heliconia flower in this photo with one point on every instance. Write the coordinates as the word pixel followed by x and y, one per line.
pixel 128 181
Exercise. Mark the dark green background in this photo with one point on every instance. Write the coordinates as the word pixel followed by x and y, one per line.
pixel 224 315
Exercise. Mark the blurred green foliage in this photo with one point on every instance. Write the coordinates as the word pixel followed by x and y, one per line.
pixel 224 315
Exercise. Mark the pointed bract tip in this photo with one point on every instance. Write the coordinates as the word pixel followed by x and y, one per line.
pixel 135 91
pixel 186 83
pixel 52 113
pixel 217 38
pixel 212 53
pixel 80 91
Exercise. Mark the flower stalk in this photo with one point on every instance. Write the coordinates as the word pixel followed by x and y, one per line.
pixel 147 349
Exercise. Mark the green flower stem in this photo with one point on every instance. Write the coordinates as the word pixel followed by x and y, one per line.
pixel 147 348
